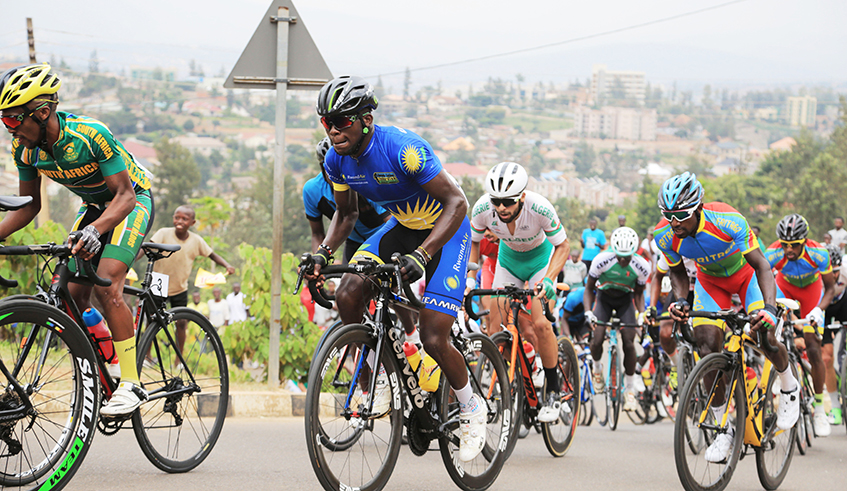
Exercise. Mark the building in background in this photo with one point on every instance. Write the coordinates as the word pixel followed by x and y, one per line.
pixel 801 110
pixel 605 83
pixel 620 123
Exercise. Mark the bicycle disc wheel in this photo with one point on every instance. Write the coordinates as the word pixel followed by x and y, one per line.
pixel 478 474
pixel 179 425
pixel 43 447
pixel 503 341
pixel 774 456
pixel 691 440
pixel 367 463
pixel 558 435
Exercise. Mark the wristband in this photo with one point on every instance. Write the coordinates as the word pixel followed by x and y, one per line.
pixel 419 258
pixel 326 248
pixel 771 309
pixel 424 254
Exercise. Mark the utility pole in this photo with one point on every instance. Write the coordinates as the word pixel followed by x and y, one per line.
pixel 44 214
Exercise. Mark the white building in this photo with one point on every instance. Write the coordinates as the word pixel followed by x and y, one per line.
pixel 604 82
pixel 621 123
pixel 801 111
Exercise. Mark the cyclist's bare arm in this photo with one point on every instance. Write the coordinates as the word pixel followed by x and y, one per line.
pixel 656 288
pixel 588 296
pixel 680 285
pixel 121 205
pixel 828 290
pixel 639 297
pixel 18 219
pixel 558 260
pixel 474 258
pixel 454 209
pixel 318 232
pixel 345 218
pixel 766 280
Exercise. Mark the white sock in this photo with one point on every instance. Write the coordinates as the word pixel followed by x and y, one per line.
pixel 719 411
pixel 629 382
pixel 414 338
pixel 786 378
pixel 674 358
pixel 465 397
pixel 598 367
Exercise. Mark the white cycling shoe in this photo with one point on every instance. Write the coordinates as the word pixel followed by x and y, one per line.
pixel 718 451
pixel 382 395
pixel 789 408
pixel 630 401
pixel 472 425
pixel 126 399
pixel 821 422
pixel 550 411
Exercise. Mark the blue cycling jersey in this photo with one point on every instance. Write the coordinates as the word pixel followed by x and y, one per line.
pixel 390 172
pixel 574 305
pixel 318 200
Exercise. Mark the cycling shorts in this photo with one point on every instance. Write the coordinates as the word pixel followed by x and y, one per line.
pixel 712 293
pixel 518 268
pixel 124 241
pixel 808 296
pixel 445 273
pixel 837 310
pixel 623 303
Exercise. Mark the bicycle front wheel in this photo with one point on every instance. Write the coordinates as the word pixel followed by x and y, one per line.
pixel 558 435
pixel 503 341
pixel 697 427
pixel 614 388
pixel 774 456
pixel 482 357
pixel 179 425
pixel 43 442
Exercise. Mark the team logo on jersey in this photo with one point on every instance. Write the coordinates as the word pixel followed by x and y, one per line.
pixel 385 178
pixel 70 152
pixel 412 158
pixel 451 283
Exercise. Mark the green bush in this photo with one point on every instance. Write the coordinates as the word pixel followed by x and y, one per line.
pixel 249 339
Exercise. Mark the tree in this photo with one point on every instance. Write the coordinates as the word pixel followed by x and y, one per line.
pixel 583 159
pixel 188 125
pixel 574 215
pixel 823 185
pixel 473 191
pixel 707 97
pixel 176 178
pixel 94 63
pixel 646 210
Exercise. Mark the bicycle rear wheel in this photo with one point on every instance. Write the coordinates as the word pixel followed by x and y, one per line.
pixel 366 459
pixel 691 438
pixel 180 424
pixel 482 357
pixel 558 435
pixel 773 457
pixel 44 446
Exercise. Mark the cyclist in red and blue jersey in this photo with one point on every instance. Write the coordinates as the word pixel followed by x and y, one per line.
pixel 805 274
pixel 719 239
pixel 398 170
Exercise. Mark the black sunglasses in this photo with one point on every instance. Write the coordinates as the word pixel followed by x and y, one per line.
pixel 505 201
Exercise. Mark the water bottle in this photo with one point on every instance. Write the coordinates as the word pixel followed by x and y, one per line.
pixel 100 333
pixel 412 354
pixel 647 373
pixel 752 385
pixel 430 374
pixel 530 353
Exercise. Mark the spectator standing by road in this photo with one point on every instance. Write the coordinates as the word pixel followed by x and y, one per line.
pixel 218 310
pixel 238 310
pixel 838 234
pixel 827 239
pixel 621 220
pixel 575 270
pixel 199 305
pixel 593 241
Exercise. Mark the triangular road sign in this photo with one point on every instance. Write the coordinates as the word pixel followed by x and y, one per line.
pixel 256 68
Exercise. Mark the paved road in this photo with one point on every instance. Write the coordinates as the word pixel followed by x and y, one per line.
pixel 267 454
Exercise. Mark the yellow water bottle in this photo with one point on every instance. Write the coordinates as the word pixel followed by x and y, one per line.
pixel 430 374
pixel 646 374
pixel 412 354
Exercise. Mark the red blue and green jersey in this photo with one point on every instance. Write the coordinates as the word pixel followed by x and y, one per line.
pixel 806 269
pixel 718 246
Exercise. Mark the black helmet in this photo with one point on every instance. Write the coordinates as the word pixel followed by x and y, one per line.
pixel 835 255
pixel 792 227
pixel 321 149
pixel 346 95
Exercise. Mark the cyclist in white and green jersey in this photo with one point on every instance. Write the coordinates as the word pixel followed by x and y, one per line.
pixel 533 249
pixel 619 276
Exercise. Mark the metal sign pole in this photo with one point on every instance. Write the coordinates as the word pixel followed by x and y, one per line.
pixel 282 22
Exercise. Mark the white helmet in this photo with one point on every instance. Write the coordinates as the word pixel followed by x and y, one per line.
pixel 505 180
pixel 624 241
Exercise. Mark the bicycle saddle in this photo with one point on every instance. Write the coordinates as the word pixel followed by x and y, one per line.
pixel 10 203
pixel 161 247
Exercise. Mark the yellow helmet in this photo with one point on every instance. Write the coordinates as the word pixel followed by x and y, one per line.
pixel 24 83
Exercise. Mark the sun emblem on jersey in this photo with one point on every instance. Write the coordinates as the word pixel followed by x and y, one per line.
pixel 451 283
pixel 412 158
pixel 421 217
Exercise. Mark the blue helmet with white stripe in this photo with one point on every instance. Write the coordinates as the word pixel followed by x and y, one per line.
pixel 680 192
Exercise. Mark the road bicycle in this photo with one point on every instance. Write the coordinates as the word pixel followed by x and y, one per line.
pixel 587 390
pixel 188 391
pixel 751 403
pixel 527 401
pixel 612 389
pixel 352 446
pixel 658 399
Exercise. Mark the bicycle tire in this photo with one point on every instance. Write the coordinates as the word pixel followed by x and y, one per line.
pixel 773 457
pixel 329 330
pixel 686 359
pixel 587 410
pixel 613 398
pixel 668 395
pixel 843 383
pixel 177 432
pixel 693 398
pixel 558 436
pixel 334 466
pixel 503 341
pixel 45 448
pixel 480 473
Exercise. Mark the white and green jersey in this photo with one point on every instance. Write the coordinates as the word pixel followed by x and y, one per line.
pixel 611 275
pixel 526 253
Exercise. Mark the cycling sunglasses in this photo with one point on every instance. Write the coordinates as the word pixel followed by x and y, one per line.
pixel 340 122
pixel 680 215
pixel 505 201
pixel 13 122
pixel 791 243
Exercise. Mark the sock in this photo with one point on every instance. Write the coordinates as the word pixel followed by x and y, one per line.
pixel 719 411
pixel 674 358
pixel 638 367
pixel 818 401
pixel 833 397
pixel 629 382
pixel 126 357
pixel 598 367
pixel 414 338
pixel 552 376
pixel 789 383
pixel 467 402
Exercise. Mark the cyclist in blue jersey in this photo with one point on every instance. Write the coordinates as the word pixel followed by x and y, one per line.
pixel 729 261
pixel 398 170
pixel 573 315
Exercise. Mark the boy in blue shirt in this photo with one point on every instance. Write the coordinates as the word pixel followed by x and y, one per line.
pixel 593 241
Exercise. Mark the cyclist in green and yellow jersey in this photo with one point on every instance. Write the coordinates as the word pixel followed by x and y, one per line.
pixel 82 154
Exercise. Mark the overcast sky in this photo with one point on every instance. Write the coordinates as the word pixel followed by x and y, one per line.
pixel 752 42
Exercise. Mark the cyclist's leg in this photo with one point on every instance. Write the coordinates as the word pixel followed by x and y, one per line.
pixel 752 299
pixel 603 312
pixel 499 306
pixel 180 300
pixel 709 296
pixel 541 334
pixel 831 379
pixel 626 312
pixel 808 298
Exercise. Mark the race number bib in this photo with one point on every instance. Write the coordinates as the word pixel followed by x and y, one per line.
pixel 159 287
